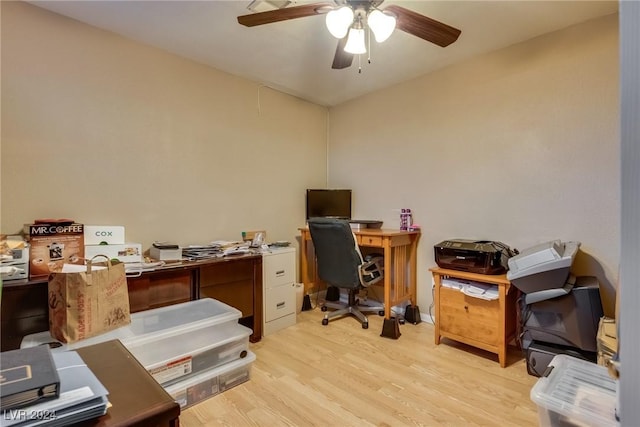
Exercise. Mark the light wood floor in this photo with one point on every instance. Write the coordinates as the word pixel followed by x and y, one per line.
pixel 343 375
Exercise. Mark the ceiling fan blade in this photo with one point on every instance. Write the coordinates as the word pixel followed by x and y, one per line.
pixel 342 59
pixel 287 13
pixel 423 27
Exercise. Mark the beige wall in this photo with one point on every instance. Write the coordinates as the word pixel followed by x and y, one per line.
pixel 107 131
pixel 520 145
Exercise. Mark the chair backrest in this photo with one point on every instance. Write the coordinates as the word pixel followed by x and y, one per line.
pixel 337 254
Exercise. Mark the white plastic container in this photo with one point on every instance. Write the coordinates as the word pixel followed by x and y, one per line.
pixel 125 252
pixel 574 392
pixel 153 325
pixel 209 383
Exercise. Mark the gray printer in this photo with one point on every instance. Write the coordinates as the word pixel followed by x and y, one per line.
pixel 559 312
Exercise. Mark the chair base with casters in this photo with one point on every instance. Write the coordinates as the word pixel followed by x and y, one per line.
pixel 351 307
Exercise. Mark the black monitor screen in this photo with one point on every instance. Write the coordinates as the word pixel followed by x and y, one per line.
pixel 328 203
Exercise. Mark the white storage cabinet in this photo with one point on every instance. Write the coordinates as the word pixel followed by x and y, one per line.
pixel 279 287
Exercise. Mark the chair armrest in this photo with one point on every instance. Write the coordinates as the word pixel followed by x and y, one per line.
pixel 371 272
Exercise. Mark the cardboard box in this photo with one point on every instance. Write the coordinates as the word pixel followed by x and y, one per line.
pixel 165 254
pixel 53 245
pixel 249 236
pixel 127 252
pixel 104 234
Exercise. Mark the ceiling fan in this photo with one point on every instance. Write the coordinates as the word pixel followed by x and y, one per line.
pixel 347 20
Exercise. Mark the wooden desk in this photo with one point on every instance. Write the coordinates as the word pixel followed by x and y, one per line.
pixel 136 398
pixel 488 325
pixel 399 249
pixel 236 281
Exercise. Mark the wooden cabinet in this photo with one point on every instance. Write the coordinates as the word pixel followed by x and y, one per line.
pixel 488 325
pixel 469 317
pixel 24 311
pixel 278 280
pixel 236 281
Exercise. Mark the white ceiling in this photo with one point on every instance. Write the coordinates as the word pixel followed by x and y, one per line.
pixel 295 56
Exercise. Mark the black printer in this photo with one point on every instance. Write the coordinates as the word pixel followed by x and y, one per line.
pixel 475 256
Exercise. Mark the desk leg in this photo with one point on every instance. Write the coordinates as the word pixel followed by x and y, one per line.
pixel 387 280
pixel 304 261
pixel 412 311
pixel 437 279
pixel 390 326
pixel 413 267
pixel 502 345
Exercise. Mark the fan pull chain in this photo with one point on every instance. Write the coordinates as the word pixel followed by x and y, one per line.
pixel 369 46
pixel 359 65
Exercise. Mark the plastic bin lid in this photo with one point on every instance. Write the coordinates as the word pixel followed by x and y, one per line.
pixel 180 317
pixel 45 337
pixel 577 389
pixel 153 324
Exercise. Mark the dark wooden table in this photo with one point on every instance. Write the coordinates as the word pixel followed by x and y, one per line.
pixel 136 398
pixel 236 281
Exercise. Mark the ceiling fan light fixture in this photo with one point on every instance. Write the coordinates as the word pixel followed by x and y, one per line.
pixel 381 24
pixel 339 20
pixel 355 42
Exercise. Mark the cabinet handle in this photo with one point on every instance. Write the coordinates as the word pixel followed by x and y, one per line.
pixel 280 305
pixel 466 308
pixel 279 273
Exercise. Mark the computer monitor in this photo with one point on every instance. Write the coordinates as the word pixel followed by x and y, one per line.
pixel 328 203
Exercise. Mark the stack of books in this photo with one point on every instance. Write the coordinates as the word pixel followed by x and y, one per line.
pixel 38 387
pixel 198 252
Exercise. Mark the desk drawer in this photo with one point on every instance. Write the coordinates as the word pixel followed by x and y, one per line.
pixel 279 301
pixel 469 317
pixel 279 269
pixel 374 241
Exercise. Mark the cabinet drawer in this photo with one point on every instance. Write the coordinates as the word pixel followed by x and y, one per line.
pixel 279 269
pixel 375 241
pixel 469 317
pixel 279 301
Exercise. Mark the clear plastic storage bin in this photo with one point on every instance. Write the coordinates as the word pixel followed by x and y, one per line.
pixel 171 358
pixel 574 392
pixel 209 383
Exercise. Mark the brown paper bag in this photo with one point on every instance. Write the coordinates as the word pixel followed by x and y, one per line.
pixel 87 300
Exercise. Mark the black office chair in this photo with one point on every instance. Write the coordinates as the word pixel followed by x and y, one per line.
pixel 340 264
